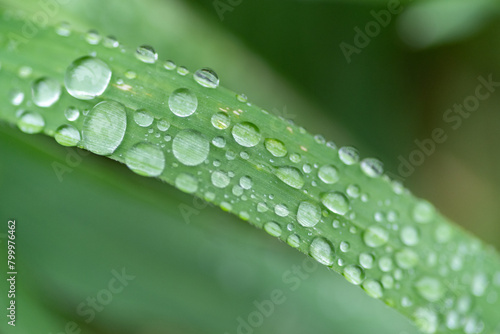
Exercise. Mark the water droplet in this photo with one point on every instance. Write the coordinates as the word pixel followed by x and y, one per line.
pixel 348 155
pixel 366 260
pixel 92 37
pixel 319 139
pixel 190 147
pixel 387 281
pixel 71 114
pixel 423 212
pixel 246 134
pixel 293 240
pixel 146 54
pixel 207 78
pixel 16 97
pixel 410 236
pixel 145 159
pixel 336 202
pixel 281 210
pixel 169 65
pixel 221 121
pixel 322 251
pixel 479 284
pixel 220 179
pixel 104 127
pixel 406 258
pixel 426 320
pixel 291 176
pixel 354 274
pixel 372 167
pixel 183 102
pixel 219 142
pixel 262 207
pixel 30 122
pixel 246 182
pixel 353 191
pixel 443 233
pixel 242 98
pixel 385 264
pixel 375 236
pixel 430 289
pixel 182 70
pixel 273 229
pixel 452 320
pixel 143 118
pixel 87 77
pixel 25 71
pixel 186 182
pixel 163 125
pixel 63 29
pixel 306 168
pixel 45 91
pixel 344 246
pixel 130 75
pixel 275 147
pixel 110 42
pixel 295 157
pixel 328 174
pixel 67 135
pixel 308 214
pixel 372 288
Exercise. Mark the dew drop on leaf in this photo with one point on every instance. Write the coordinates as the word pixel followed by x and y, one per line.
pixel 348 155
pixel 354 274
pixel 336 202
pixel 45 92
pixel 146 54
pixel 190 147
pixel 328 174
pixel 375 236
pixel 308 214
pixel 87 78
pixel 145 159
pixel 322 251
pixel 186 182
pixel 30 122
pixel 67 135
pixel 273 229
pixel 291 176
pixel 183 102
pixel 275 147
pixel 246 134
pixel 206 77
pixel 143 118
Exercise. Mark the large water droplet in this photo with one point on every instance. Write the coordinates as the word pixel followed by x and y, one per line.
pixel 430 288
pixel 246 134
pixel 220 179
pixel 190 147
pixel 336 202
pixel 183 102
pixel 348 155
pixel 291 176
pixel 409 236
pixel 67 135
pixel 275 147
pixel 143 118
pixel 104 127
pixel 372 288
pixel 45 91
pixel 186 182
pixel 146 54
pixel 220 120
pixel 87 77
pixel 322 251
pixel 30 122
pixel 375 236
pixel 423 212
pixel 372 167
pixel 207 78
pixel 145 159
pixel 328 174
pixel 354 274
pixel 308 214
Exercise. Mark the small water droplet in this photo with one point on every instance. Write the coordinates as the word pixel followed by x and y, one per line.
pixel 220 179
pixel 430 288
pixel 308 214
pixel 366 260
pixel 30 122
pixel 16 97
pixel 92 37
pixel 110 42
pixel 182 70
pixel 410 236
pixel 344 246
pixel 45 91
pixel 71 114
pixel 220 120
pixel 423 212
pixel 143 118
pixel 87 78
pixel 25 71
pixel 130 75
pixel 219 142
pixel 387 281
pixel 372 288
pixel 67 135
pixel 322 251
pixel 207 78
pixel 246 182
pixel 293 240
pixel 146 54
pixel 104 127
pixel 295 157
pixel 145 159
pixel 169 65
pixel 242 98
pixel 375 236
pixel 63 29
pixel 348 155
pixel 426 320
pixel 186 182
pixel 273 229
pixel 183 102
pixel 353 191
pixel 336 202
pixel 328 174
pixel 372 167
pixel 406 258
pixel 385 264
pixel 275 147
pixel 262 207
pixel 281 210
pixel 246 134
pixel 354 274
pixel 190 147
pixel 290 176
pixel 163 124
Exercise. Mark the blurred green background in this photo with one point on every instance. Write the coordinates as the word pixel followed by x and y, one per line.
pixel 197 269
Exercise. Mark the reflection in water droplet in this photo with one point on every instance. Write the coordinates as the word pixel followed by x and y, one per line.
pixel 348 155
pixel 87 77
pixel 67 135
pixel 220 121
pixel 207 78
pixel 372 167
pixel 146 54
